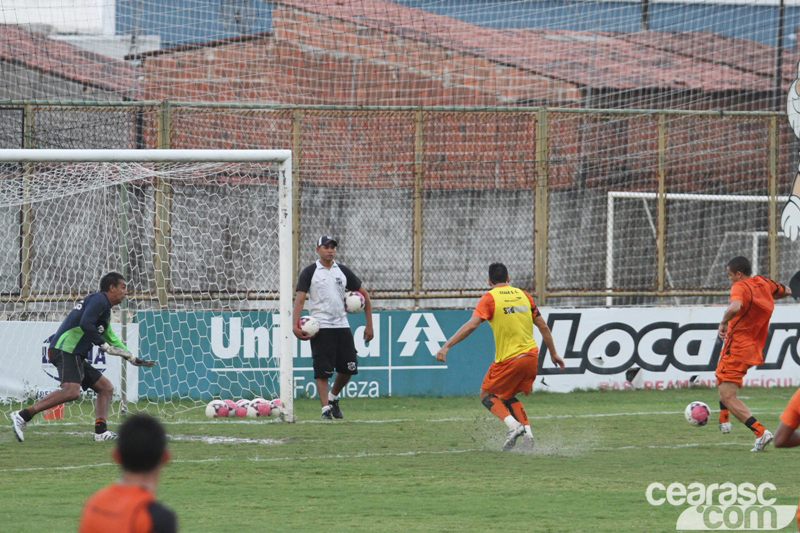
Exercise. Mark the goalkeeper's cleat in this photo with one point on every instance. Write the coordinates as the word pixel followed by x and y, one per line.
pixel 335 411
pixel 326 413
pixel 725 427
pixel 512 436
pixel 106 435
pixel 19 425
pixel 762 441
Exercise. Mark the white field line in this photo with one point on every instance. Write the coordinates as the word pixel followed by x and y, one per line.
pixel 356 455
pixel 43 424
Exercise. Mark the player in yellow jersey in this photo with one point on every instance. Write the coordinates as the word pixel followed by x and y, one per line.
pixel 512 314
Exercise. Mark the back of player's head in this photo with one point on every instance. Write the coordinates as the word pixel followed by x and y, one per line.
pixel 141 443
pixel 498 273
pixel 740 264
pixel 111 279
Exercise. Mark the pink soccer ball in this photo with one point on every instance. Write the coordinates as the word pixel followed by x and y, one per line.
pixel 354 302
pixel 308 324
pixel 697 414
pixel 216 409
pixel 259 407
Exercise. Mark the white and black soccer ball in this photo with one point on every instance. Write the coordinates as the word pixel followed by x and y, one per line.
pixel 354 302
pixel 697 414
pixel 216 409
pixel 258 407
pixel 308 324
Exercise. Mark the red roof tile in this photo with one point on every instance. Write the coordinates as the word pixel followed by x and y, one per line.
pixel 57 58
pixel 598 60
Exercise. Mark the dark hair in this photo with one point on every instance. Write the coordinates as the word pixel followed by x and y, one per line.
pixel 111 279
pixel 498 273
pixel 141 443
pixel 740 264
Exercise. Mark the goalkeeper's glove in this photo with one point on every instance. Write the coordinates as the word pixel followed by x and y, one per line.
pixel 125 354
pixel 790 218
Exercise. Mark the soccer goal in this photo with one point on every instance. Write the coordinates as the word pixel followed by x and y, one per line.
pixel 204 239
pixel 714 227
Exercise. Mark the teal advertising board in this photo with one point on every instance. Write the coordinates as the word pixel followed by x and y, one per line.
pixel 202 354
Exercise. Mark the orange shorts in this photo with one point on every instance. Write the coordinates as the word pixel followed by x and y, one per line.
pixel 730 370
pixel 512 376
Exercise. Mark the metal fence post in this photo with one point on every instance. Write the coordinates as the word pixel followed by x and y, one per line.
pixel 772 191
pixel 541 207
pixel 418 218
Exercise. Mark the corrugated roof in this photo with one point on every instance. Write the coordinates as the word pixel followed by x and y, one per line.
pixel 57 58
pixel 696 61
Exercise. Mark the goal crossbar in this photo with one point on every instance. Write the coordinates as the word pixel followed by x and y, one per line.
pixel 143 156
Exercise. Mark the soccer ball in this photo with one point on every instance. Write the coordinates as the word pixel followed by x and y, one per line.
pixel 354 302
pixel 697 414
pixel 275 404
pixel 216 409
pixel 258 407
pixel 241 408
pixel 308 324
pixel 231 408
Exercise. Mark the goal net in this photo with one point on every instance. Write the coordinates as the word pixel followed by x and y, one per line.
pixel 204 240
pixel 723 225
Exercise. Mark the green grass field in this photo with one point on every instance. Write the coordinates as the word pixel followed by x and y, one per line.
pixel 410 464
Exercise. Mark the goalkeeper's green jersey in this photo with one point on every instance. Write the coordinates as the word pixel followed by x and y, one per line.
pixel 87 324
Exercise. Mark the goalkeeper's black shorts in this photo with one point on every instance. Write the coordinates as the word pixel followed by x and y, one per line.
pixel 74 368
pixel 333 348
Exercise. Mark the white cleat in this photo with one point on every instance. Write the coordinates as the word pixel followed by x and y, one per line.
pixel 106 435
pixel 762 441
pixel 527 442
pixel 19 425
pixel 725 427
pixel 512 436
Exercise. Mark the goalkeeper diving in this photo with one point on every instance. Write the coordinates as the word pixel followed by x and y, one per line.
pixel 87 325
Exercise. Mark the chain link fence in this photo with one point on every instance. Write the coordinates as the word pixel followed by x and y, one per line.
pixel 585 207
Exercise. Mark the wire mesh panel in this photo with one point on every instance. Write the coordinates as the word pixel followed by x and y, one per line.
pixel 357 183
pixel 593 155
pixel 197 238
pixel 479 180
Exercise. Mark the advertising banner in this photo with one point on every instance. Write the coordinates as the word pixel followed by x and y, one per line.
pixel 27 373
pixel 673 347
pixel 202 353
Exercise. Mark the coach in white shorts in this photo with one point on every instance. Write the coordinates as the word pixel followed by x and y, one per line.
pixel 325 282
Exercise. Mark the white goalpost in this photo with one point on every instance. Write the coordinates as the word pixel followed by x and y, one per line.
pixel 204 239
pixel 611 241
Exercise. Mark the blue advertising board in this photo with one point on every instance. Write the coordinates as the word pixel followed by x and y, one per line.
pixel 202 354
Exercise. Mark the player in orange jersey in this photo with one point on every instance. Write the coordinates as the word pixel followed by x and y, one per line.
pixel 744 329
pixel 512 314
pixel 787 436
pixel 129 505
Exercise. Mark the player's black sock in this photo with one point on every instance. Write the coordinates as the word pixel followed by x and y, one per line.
pixel 755 426
pixel 100 426
pixel 724 414
pixel 27 414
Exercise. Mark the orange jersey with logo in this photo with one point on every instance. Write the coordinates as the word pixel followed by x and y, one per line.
pixel 125 508
pixel 747 331
pixel 510 312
